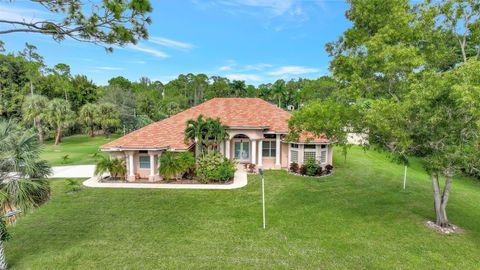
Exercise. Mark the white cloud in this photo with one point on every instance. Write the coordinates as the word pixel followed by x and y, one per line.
pixel 20 14
pixel 292 70
pixel 259 66
pixel 243 77
pixel 277 7
pixel 110 68
pixel 137 62
pixel 170 43
pixel 154 52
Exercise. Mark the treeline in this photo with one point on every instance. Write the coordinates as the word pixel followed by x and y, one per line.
pixel 53 101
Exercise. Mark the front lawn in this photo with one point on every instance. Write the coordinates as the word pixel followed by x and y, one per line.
pixel 81 150
pixel 359 218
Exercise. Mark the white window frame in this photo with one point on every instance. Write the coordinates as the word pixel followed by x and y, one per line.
pixel 323 149
pixel 140 163
pixel 309 150
pixel 270 143
pixel 293 147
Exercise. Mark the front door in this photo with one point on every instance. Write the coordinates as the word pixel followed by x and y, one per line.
pixel 241 150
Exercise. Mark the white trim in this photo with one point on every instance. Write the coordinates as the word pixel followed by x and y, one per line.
pixel 132 167
pixel 152 165
pixel 260 153
pixel 277 152
pixel 227 148
pixel 254 154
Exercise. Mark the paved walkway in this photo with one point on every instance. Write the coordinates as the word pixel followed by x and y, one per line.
pixel 74 171
pixel 239 180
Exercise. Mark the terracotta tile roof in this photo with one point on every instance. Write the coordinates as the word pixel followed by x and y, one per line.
pixel 311 138
pixel 233 112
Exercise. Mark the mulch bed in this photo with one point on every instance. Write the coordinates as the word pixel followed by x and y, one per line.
pixel 316 176
pixel 177 181
pixel 452 229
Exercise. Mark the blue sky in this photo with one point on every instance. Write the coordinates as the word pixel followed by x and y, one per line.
pixel 253 40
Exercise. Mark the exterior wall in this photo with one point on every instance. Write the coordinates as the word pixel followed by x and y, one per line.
pixel 284 155
pixel 268 163
pixel 142 173
pixel 330 155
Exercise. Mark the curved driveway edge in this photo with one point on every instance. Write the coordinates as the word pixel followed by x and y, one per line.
pixel 239 180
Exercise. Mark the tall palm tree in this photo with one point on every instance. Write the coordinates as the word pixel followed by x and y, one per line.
pixel 23 183
pixel 194 132
pixel 34 109
pixel 216 132
pixel 87 117
pixel 60 115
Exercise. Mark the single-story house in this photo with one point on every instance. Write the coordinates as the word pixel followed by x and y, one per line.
pixel 257 131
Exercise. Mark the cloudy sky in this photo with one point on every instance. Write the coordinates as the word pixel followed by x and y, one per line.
pixel 253 40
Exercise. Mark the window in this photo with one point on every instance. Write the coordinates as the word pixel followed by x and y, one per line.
pixel 294 156
pixel 309 152
pixel 294 145
pixel 269 149
pixel 144 162
pixel 323 154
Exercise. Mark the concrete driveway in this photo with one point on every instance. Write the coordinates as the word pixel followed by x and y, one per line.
pixel 74 171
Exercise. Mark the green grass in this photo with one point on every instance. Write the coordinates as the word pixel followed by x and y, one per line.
pixel 80 149
pixel 359 218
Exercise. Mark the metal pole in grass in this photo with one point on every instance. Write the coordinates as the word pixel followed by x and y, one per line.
pixel 263 196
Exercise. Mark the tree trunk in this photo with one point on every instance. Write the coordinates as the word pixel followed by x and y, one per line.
pixel 3 261
pixel 92 132
pixel 58 136
pixel 40 131
pixel 441 198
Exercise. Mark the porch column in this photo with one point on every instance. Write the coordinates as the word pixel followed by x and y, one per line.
pixel 254 152
pixel 277 152
pixel 152 165
pixel 260 154
pixel 131 167
pixel 227 149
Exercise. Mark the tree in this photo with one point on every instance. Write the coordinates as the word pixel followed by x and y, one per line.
pixel 88 117
pixel 107 117
pixel 116 167
pixel 60 116
pixel 327 118
pixel 105 23
pixel 34 109
pixel 35 63
pixel 23 183
pixel 195 132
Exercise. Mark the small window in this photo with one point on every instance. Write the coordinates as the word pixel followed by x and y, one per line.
pixel 309 146
pixel 144 162
pixel 323 154
pixel 269 149
pixel 323 146
pixel 294 145
pixel 143 151
pixel 294 156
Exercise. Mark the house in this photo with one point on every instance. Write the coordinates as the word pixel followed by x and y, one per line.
pixel 257 131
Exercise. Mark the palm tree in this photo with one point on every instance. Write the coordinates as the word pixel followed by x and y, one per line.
pixel 60 116
pixel 195 132
pixel 23 183
pixel 169 165
pixel 116 167
pixel 87 116
pixel 216 132
pixel 107 117
pixel 34 109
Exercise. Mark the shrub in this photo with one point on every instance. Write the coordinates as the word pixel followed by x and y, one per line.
pixel 303 170
pixel 311 167
pixel 319 171
pixel 329 168
pixel 169 166
pixel 214 167
pixel 72 186
pixel 251 167
pixel 294 167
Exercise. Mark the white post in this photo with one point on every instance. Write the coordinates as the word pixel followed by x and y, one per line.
pixel 132 168
pixel 227 149
pixel 277 152
pixel 263 200
pixel 405 178
pixel 222 148
pixel 152 163
pixel 254 152
pixel 260 154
